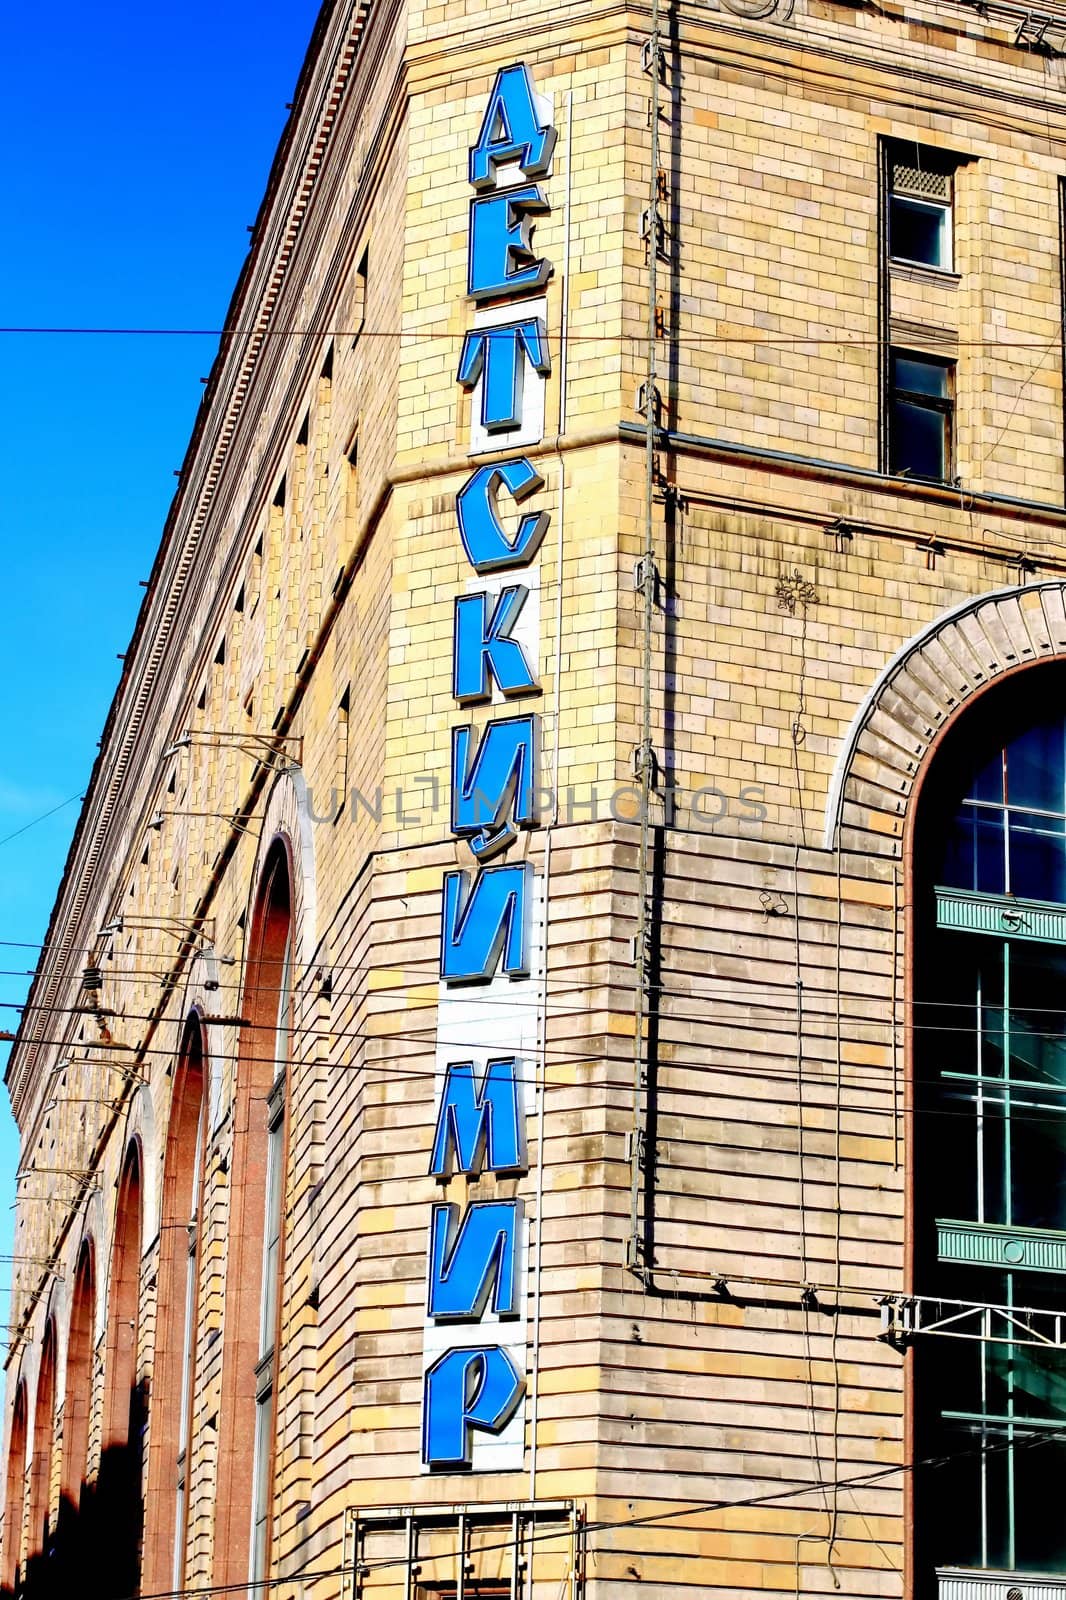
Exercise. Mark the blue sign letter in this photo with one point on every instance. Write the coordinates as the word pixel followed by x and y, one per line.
pixel 511 130
pixel 501 779
pixel 501 354
pixel 482 646
pixel 501 259
pixel 479 1125
pixel 468 1258
pixel 481 530
pixel 464 1390
pixel 486 923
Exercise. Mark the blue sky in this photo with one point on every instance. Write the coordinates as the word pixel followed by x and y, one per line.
pixel 135 144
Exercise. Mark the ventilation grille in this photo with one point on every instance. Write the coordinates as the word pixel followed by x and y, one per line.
pixel 908 179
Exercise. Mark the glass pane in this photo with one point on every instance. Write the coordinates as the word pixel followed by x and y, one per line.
pixel 918 441
pixel 1037 856
pixel 947 1026
pixel 1040 1527
pixel 974 855
pixel 1037 1027
pixel 992 1140
pixel 918 231
pixel 954 1487
pixel 1030 1381
pixel 993 1040
pixel 1038 1291
pixel 954 1181
pixel 272 1223
pixel 1035 777
pixel 987 781
pixel 264 1420
pixel 920 377
pixel 954 1368
pixel 996 1471
pixel 1038 1163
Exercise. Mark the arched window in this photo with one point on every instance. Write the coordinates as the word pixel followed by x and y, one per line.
pixel 40 1528
pixel 14 1502
pixel 77 1410
pixel 253 1274
pixel 119 1505
pixel 176 1321
pixel 989 1145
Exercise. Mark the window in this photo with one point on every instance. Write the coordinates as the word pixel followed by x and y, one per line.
pixel 174 1367
pixel 358 311
pixel 77 1406
pixel 990 1139
pixel 251 1317
pixel 42 1529
pixel 119 1507
pixel 339 796
pixel 921 186
pixel 268 1316
pixel 921 416
pixel 14 1500
pixel 1007 834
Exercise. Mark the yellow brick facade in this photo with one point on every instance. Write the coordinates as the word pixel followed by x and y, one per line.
pixel 291 677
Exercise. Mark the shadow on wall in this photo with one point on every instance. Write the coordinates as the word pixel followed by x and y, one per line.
pixel 94 1550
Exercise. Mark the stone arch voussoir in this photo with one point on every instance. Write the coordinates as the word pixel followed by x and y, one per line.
pixel 921 690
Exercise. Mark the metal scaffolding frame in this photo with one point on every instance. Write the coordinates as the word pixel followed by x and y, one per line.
pixel 904 1317
pixel 519 1522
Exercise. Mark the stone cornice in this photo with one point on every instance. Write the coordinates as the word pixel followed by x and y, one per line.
pixel 130 731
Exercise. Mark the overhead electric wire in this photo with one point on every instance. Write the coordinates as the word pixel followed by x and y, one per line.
pixel 602 977
pixel 861 1023
pixel 558 1531
pixel 558 985
pixel 419 335
pixel 748 1073
pixel 69 801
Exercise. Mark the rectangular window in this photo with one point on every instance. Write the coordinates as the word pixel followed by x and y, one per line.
pixel 921 184
pixel 921 416
pixel 358 312
pixel 263 1446
pixel 340 788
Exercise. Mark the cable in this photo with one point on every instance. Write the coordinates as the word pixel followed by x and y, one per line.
pixel 781 341
pixel 609 1524
pixel 42 818
pixel 870 1077
pixel 433 973
pixel 769 1028
pixel 404 1074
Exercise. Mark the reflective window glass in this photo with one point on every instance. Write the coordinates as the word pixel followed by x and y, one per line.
pixel 1035 775
pixel 920 231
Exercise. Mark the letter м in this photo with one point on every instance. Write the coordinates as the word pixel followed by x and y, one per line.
pixel 479 1126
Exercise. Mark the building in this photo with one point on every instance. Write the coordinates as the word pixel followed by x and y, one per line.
pixel 444 1174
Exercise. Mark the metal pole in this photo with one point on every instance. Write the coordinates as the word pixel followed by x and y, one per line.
pixel 645 757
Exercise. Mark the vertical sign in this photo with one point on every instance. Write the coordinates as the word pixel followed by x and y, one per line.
pixel 492 910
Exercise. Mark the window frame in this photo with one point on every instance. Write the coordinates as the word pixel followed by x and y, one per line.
pixel 262 1048
pixel 937 161
pixel 944 210
pixel 263 1448
pixel 990 1105
pixel 941 405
